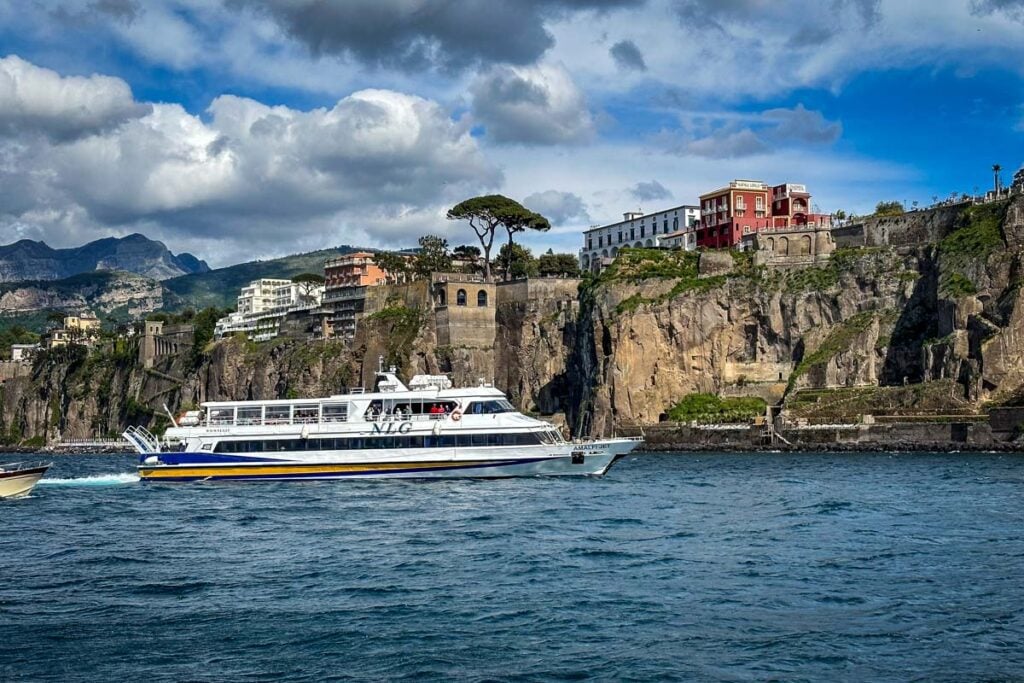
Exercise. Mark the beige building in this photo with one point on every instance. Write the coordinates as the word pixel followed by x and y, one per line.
pixel 464 309
pixel 86 324
pixel 795 246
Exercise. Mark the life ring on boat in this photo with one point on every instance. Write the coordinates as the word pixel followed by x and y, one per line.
pixel 456 415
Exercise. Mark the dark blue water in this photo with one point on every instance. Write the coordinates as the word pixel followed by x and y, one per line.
pixel 709 567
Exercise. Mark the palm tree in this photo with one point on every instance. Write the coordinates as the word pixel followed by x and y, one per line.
pixel 996 168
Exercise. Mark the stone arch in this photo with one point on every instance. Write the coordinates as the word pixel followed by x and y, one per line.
pixel 649 243
pixel 460 298
pixel 639 245
pixel 615 252
pixel 805 245
pixel 481 297
pixel 441 297
pixel 604 253
pixel 783 246
pixel 771 244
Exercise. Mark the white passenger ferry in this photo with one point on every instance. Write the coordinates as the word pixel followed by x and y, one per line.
pixel 427 429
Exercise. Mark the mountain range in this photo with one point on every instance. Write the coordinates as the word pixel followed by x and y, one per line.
pixel 31 260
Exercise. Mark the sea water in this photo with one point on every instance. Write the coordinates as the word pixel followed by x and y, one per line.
pixel 690 567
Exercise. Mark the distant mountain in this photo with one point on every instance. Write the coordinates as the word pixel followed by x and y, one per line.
pixel 30 260
pixel 111 295
pixel 220 287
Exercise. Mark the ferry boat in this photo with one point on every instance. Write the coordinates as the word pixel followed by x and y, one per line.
pixel 424 430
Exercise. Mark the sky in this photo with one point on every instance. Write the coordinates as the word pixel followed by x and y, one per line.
pixel 244 129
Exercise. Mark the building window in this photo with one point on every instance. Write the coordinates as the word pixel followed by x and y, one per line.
pixel 460 298
pixel 759 203
pixel 675 223
pixel 620 236
pixel 590 243
pixel 641 231
pixel 481 297
pixel 600 241
pixel 632 233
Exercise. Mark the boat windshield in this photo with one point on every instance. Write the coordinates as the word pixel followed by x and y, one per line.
pixel 489 407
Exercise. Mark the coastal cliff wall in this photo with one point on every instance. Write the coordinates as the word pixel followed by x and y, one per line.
pixel 935 327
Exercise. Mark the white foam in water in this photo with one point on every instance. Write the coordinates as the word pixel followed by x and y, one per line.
pixel 94 480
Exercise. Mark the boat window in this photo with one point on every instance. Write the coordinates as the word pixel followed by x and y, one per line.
pixel 489 407
pixel 278 415
pixel 306 414
pixel 250 415
pixel 335 412
pixel 222 416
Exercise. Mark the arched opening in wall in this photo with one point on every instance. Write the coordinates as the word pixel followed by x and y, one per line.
pixel 650 243
pixel 771 244
pixel 460 298
pixel 586 262
pixel 805 245
pixel 783 246
pixel 639 245
pixel 615 252
pixel 441 297
pixel 481 297
pixel 604 253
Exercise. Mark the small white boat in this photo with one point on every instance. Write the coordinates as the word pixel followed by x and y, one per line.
pixel 18 479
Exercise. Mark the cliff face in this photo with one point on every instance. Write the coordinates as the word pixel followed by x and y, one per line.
pixel 104 293
pixel 656 331
pixel 936 326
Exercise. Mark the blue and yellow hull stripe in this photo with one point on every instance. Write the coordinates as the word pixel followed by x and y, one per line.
pixel 314 471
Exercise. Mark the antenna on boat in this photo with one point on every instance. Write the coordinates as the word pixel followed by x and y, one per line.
pixel 170 415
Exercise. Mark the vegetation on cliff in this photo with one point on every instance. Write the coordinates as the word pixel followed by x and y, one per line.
pixel 399 326
pixel 978 235
pixel 709 408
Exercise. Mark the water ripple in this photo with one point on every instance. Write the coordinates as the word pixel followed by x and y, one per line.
pixel 675 567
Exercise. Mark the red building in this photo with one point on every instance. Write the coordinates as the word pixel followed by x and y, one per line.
pixel 745 207
pixel 741 208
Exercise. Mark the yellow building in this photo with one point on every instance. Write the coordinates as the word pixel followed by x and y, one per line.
pixel 86 323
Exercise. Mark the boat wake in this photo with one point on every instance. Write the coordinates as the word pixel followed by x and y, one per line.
pixel 94 480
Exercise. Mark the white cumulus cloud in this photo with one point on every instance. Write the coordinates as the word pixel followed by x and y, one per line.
pixel 250 179
pixel 536 105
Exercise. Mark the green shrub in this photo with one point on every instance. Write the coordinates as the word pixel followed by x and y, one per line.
pixel 711 408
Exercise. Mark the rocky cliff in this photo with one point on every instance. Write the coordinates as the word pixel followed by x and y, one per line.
pixel 121 295
pixel 657 330
pixel 932 327
pixel 29 260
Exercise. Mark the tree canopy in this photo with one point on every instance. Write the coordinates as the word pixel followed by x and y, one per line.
pixel 395 265
pixel 893 208
pixel 433 256
pixel 487 213
pixel 558 265
pixel 516 261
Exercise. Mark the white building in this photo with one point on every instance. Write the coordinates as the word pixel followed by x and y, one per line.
pixel 23 352
pixel 263 304
pixel 673 228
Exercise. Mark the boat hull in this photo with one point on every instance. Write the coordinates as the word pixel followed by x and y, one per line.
pixel 592 459
pixel 20 482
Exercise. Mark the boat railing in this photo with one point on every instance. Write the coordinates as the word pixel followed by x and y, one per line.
pixel 142 439
pixel 8 467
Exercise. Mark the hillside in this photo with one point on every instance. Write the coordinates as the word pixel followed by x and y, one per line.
pixel 220 287
pixel 114 295
pixel 29 260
